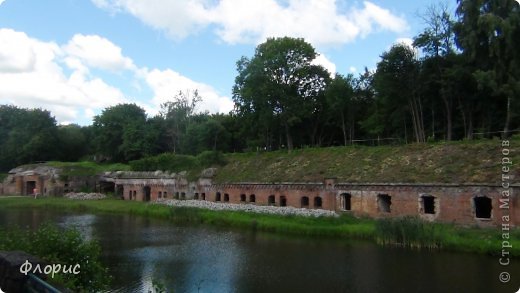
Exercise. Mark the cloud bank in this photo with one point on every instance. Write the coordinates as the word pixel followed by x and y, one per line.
pixel 321 22
pixel 35 73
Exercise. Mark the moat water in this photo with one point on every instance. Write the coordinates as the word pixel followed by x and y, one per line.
pixel 141 251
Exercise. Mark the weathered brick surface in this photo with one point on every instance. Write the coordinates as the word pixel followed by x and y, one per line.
pixel 451 203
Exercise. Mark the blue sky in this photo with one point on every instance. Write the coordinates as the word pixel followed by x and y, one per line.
pixel 77 57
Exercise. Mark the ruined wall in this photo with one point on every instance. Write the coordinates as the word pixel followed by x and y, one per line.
pixel 295 195
pixel 451 204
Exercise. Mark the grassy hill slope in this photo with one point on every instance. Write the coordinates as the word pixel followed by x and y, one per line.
pixel 453 162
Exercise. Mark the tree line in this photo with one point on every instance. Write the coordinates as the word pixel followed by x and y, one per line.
pixel 459 80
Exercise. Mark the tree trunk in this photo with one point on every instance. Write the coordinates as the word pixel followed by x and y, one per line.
pixel 449 122
pixel 289 137
pixel 343 128
pixel 508 118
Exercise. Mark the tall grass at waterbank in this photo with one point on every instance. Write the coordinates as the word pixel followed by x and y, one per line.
pixel 409 232
pixel 406 232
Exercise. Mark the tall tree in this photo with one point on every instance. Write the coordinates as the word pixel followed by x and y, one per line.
pixel 178 114
pixel 279 81
pixel 120 132
pixel 28 135
pixel 488 32
pixel 437 42
pixel 341 102
pixel 395 81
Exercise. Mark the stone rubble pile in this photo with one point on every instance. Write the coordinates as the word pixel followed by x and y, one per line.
pixel 284 211
pixel 84 195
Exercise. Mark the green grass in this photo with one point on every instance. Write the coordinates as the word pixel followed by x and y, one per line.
pixel 416 234
pixel 440 162
pixel 84 168
pixel 61 246
pixel 475 161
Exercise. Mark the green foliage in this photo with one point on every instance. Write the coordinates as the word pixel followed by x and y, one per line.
pixel 284 101
pixel 28 135
pixel 279 81
pixel 86 168
pixel 211 158
pixel 165 162
pixel 59 246
pixel 177 163
pixel 119 132
pixel 408 232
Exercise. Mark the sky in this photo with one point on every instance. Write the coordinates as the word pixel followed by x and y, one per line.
pixel 78 57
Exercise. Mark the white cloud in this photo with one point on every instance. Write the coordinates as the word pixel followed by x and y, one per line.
pixel 38 79
pixel 406 41
pixel 179 18
pixel 2 1
pixel 320 22
pixel 168 83
pixel 352 69
pixel 97 52
pixel 326 63
pixel 32 74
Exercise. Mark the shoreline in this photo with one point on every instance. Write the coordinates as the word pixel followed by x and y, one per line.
pixel 448 237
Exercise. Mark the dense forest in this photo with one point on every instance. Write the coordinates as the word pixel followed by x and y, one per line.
pixel 460 80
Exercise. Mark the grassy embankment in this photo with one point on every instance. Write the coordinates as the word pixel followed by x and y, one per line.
pixel 476 161
pixel 416 234
pixel 443 162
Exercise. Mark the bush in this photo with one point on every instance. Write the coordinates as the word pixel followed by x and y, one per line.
pixel 176 163
pixel 210 158
pixel 165 162
pixel 59 246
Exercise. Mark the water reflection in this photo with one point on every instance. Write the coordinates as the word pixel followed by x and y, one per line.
pixel 142 251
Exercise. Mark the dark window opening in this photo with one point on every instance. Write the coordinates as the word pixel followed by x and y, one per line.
pixel 242 197
pixel 176 195
pixel 428 204
pixel 30 187
pixel 217 196
pixel 146 191
pixel 183 195
pixel 165 194
pixel 304 201
pixel 203 196
pixel 271 201
pixel 226 197
pixel 317 202
pixel 346 198
pixel 483 207
pixel 252 198
pixel 196 195
pixel 384 201
pixel 160 194
pixel 283 201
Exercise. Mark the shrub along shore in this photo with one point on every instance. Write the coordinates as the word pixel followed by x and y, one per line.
pixel 407 232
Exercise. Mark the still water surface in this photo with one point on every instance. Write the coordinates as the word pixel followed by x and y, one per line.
pixel 140 251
